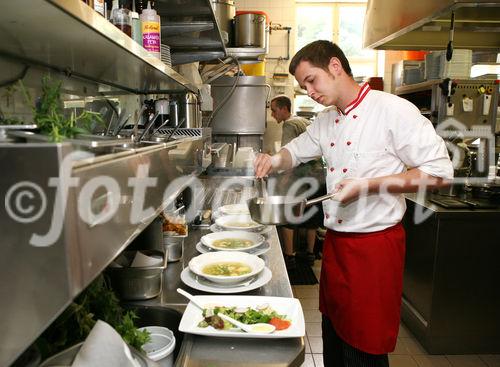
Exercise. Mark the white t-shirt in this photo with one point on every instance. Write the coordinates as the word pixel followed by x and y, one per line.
pixel 380 134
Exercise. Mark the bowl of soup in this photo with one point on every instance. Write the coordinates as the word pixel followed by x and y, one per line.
pixel 232 240
pixel 226 266
pixel 238 222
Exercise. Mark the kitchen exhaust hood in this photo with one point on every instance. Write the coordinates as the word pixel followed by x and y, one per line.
pixel 425 24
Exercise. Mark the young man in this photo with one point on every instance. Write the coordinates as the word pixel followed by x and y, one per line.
pixel 377 146
pixel 293 126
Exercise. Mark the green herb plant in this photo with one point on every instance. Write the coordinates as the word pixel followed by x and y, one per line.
pixel 50 117
pixel 97 302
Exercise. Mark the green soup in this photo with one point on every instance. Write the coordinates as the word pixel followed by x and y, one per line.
pixel 228 269
pixel 232 243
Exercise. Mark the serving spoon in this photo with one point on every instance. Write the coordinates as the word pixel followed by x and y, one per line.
pixel 190 297
pixel 260 328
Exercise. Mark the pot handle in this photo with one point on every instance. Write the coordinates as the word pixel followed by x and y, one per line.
pixel 320 199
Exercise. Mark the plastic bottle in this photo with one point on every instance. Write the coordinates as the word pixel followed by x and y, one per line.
pixel 99 6
pixel 151 36
pixel 136 25
pixel 121 19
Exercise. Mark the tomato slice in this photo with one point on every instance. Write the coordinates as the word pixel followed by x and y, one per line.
pixel 280 324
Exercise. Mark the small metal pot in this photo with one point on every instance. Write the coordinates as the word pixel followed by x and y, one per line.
pixel 280 209
pixel 137 283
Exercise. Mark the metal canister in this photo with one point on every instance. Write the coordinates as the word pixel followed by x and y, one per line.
pixel 190 109
pixel 224 12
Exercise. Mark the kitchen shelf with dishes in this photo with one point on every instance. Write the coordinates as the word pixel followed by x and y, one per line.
pixel 70 37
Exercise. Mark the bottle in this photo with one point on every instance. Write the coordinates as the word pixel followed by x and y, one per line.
pixel 99 6
pixel 121 19
pixel 151 31
pixel 136 25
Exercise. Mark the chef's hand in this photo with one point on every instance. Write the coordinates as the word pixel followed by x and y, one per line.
pixel 262 165
pixel 350 189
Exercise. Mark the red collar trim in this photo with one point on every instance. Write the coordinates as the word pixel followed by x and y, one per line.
pixel 365 88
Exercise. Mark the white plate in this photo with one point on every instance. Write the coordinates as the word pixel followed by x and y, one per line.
pixel 257 251
pixel 282 305
pixel 210 238
pixel 235 209
pixel 189 278
pixel 215 228
pixel 231 222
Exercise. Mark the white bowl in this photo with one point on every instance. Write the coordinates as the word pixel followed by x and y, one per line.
pixel 235 209
pixel 255 263
pixel 209 239
pixel 239 222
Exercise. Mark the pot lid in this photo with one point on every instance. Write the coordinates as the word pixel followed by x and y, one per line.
pixel 258 12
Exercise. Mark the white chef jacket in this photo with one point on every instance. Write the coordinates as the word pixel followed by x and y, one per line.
pixel 379 134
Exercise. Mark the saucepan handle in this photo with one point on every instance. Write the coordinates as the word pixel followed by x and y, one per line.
pixel 319 199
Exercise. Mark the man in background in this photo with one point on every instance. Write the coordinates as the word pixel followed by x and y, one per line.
pixel 293 126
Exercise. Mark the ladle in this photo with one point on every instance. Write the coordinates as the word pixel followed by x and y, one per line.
pixel 260 328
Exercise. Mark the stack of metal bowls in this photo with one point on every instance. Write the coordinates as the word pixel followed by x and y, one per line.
pixel 165 55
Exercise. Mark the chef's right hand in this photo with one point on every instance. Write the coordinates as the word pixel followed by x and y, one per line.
pixel 262 165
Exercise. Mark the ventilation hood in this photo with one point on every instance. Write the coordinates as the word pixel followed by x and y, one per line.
pixel 425 24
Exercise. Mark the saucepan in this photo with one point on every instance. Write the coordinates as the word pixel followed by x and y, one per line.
pixel 280 209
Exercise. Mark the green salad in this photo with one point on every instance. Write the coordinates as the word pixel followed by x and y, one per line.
pixel 246 315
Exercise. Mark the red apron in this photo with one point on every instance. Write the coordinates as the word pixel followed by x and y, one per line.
pixel 361 285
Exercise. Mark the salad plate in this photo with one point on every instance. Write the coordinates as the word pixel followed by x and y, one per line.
pixel 287 308
pixel 193 281
pixel 257 251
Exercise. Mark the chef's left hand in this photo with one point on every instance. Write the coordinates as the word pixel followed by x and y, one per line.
pixel 350 189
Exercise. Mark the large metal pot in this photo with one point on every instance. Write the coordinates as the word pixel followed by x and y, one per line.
pixel 224 13
pixel 250 29
pixel 281 209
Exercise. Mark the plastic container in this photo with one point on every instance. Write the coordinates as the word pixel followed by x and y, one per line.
pixel 414 55
pixel 136 27
pixel 151 36
pixel 256 69
pixel 161 346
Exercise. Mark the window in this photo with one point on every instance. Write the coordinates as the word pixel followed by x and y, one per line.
pixel 342 23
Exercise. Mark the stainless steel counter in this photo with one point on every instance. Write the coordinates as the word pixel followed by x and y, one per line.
pixel 209 351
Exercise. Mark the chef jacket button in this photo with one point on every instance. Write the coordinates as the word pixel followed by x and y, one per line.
pixel 349 143
pixel 344 170
pixel 339 221
pixel 354 116
pixel 332 169
pixel 332 144
pixel 327 216
pixel 336 121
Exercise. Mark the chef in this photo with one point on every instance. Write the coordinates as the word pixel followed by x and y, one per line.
pixel 377 146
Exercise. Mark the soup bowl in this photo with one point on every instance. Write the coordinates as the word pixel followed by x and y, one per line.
pixel 232 240
pixel 238 222
pixel 236 261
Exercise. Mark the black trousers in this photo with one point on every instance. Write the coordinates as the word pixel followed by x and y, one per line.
pixel 337 353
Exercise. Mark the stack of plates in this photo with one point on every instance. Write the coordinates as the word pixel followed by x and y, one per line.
pixel 166 57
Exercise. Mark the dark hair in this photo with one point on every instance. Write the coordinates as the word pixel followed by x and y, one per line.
pixel 319 53
pixel 283 101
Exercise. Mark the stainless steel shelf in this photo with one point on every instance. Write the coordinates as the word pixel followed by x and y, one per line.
pixel 418 87
pixel 68 36
pixel 191 30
